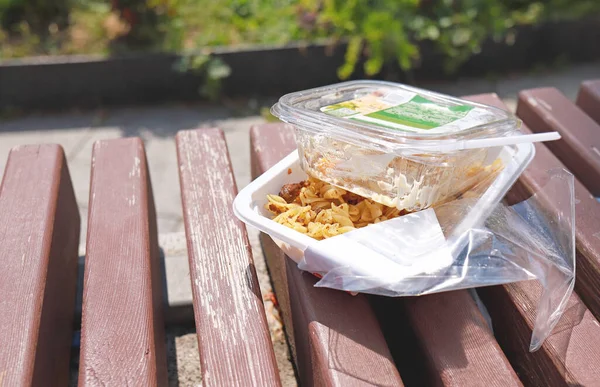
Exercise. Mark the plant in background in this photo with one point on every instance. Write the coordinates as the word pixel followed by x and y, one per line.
pixel 459 28
pixel 386 31
pixel 235 22
pixel 40 15
pixel 378 33
pixel 32 26
pixel 212 70
pixel 143 18
pixel 205 23
pixel 375 29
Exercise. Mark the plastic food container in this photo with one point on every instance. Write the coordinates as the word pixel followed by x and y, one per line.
pixel 249 205
pixel 379 139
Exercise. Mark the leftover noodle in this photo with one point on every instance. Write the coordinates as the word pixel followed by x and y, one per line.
pixel 321 210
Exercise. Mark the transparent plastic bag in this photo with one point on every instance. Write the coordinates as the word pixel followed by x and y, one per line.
pixel 467 241
pixel 434 250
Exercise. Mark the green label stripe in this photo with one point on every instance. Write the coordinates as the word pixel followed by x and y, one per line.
pixel 397 119
pixel 421 113
pixel 380 123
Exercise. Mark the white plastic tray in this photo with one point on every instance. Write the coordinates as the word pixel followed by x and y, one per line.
pixel 249 205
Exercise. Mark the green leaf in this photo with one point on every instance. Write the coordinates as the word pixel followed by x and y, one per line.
pixel 461 36
pixel 217 69
pixel 345 70
pixel 373 65
pixel 197 62
pixel 351 57
pixel 432 32
pixel 445 22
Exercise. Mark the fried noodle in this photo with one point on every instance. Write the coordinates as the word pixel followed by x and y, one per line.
pixel 321 210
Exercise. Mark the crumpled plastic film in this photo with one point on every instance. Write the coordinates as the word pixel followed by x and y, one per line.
pixel 440 249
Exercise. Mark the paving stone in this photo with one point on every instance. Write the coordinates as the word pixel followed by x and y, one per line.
pixel 70 139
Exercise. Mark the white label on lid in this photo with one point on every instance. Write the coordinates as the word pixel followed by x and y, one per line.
pixel 408 111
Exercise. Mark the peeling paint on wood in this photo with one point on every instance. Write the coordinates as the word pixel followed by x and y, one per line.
pixel 234 341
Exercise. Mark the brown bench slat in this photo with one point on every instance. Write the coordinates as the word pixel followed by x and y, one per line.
pixel 572 353
pixel 122 329
pixel 39 237
pixel 233 335
pixel 458 345
pixel 587 212
pixel 547 109
pixel 335 337
pixel 571 356
pixel 588 99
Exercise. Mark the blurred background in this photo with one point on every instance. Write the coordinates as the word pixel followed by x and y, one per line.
pixel 207 49
pixel 382 30
pixel 76 71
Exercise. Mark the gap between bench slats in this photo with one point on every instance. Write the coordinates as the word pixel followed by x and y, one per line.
pixel 547 109
pixel 39 236
pixel 588 99
pixel 571 355
pixel 335 337
pixel 233 335
pixel 122 329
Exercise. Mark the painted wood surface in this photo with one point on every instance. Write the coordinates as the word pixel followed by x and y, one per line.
pixel 122 330
pixel 571 355
pixel 336 339
pixel 588 98
pixel 435 319
pixel 459 346
pixel 39 236
pixel 233 335
pixel 547 109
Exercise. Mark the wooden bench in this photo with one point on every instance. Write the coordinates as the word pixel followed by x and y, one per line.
pixel 588 99
pixel 336 339
pixel 473 356
pixel 122 328
pixel 39 237
pixel 512 306
pixel 233 336
pixel 270 143
pixel 122 320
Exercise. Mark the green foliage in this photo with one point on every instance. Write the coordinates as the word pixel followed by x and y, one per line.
pixel 38 14
pixel 202 23
pixel 142 17
pixel 377 29
pixel 390 30
pixel 378 32
pixel 212 69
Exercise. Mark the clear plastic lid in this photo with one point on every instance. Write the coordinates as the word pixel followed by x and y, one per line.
pixel 391 116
